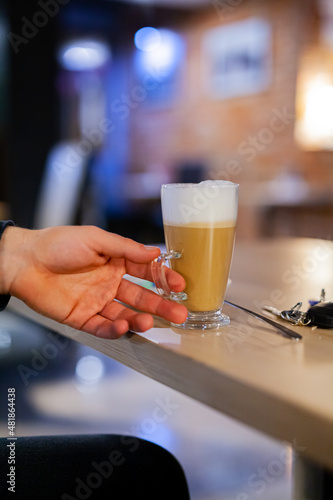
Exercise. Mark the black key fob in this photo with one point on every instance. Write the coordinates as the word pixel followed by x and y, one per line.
pixel 321 315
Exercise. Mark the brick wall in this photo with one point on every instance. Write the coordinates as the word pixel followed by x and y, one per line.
pixel 247 139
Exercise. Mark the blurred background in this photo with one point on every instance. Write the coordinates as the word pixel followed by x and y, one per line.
pixel 101 102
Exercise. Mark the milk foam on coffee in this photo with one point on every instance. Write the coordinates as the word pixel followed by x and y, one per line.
pixel 212 202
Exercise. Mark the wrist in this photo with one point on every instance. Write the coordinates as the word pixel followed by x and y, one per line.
pixel 11 246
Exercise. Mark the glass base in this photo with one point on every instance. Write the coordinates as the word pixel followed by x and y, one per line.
pixel 210 320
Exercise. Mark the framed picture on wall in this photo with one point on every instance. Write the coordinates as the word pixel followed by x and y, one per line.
pixel 237 58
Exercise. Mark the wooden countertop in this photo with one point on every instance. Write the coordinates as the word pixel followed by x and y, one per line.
pixel 281 387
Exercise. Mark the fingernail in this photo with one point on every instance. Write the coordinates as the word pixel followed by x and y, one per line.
pixel 151 248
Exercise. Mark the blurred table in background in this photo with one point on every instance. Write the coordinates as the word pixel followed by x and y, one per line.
pixel 274 209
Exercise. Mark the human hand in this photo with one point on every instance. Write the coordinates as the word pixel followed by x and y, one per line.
pixel 74 274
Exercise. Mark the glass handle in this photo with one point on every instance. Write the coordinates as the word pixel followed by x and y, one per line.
pixel 159 276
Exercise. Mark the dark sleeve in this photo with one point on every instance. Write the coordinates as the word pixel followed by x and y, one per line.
pixel 4 299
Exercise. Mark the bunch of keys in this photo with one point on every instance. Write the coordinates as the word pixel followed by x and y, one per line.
pixel 320 313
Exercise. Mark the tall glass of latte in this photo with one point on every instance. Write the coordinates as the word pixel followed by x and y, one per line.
pixel 199 226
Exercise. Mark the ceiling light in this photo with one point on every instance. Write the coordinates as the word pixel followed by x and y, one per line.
pixel 83 55
pixel 147 39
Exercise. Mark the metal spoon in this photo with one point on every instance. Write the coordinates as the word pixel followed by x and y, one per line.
pixel 286 331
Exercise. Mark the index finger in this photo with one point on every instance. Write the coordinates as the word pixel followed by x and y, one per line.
pixel 175 281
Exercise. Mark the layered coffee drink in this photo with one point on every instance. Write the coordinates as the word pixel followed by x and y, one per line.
pixel 199 225
pixel 206 252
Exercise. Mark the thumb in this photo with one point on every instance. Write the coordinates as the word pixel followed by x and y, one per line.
pixel 114 245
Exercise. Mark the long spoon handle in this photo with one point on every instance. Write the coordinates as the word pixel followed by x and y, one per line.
pixel 286 331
